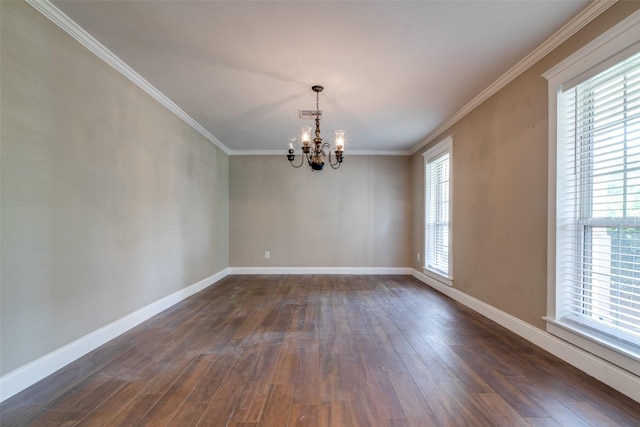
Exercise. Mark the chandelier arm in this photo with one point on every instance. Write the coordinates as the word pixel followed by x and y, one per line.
pixel 331 162
pixel 338 161
pixel 291 156
pixel 301 162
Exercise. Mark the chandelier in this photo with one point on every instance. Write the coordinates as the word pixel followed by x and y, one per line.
pixel 317 153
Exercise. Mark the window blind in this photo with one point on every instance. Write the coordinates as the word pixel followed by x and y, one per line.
pixel 598 250
pixel 437 215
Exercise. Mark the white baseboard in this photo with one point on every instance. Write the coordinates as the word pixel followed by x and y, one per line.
pixel 615 377
pixel 29 374
pixel 320 270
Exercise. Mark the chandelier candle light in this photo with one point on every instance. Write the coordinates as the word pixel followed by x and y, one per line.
pixel 316 154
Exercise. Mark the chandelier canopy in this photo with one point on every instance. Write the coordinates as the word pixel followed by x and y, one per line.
pixel 320 150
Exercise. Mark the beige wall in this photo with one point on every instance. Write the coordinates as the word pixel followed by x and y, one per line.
pixel 499 225
pixel 109 201
pixel 356 216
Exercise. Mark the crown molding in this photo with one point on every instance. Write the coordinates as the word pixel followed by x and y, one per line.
pixel 283 152
pixel 592 11
pixel 378 153
pixel 56 16
pixel 622 36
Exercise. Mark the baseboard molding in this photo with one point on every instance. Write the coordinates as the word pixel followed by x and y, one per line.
pixel 615 377
pixel 320 270
pixel 29 374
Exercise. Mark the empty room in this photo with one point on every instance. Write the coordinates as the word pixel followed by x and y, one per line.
pixel 320 213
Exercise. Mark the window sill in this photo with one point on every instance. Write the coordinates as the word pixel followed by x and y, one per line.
pixel 437 276
pixel 619 354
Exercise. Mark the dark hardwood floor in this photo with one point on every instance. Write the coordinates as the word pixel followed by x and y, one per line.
pixel 319 351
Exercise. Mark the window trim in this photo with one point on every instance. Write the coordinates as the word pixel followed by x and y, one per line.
pixel 596 53
pixel 439 149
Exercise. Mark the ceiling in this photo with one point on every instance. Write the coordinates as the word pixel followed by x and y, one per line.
pixel 393 71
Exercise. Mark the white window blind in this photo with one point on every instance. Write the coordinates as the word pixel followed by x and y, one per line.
pixel 598 205
pixel 437 214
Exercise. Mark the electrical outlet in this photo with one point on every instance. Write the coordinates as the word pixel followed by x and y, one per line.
pixel 418 256
pixel 267 255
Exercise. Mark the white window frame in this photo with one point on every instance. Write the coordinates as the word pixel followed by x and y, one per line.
pixel 600 54
pixel 438 150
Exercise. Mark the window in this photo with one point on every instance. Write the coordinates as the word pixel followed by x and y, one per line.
pixel 437 211
pixel 601 210
pixel 595 291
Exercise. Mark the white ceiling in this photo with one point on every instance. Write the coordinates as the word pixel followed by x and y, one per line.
pixel 393 71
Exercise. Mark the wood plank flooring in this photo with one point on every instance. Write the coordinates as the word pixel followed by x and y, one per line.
pixel 319 351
